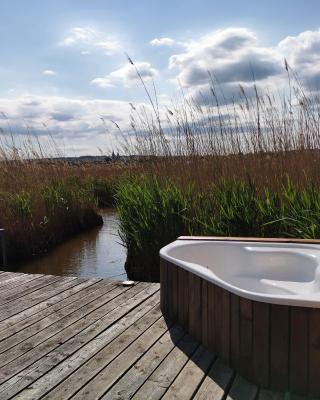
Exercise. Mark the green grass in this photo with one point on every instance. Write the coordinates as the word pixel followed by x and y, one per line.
pixel 154 212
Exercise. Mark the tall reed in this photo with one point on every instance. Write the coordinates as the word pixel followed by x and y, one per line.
pixel 154 212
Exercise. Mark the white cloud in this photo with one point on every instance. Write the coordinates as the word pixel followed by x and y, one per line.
pixel 164 41
pixel 49 72
pixel 126 75
pixel 232 55
pixel 74 123
pixel 87 38
pixel 235 55
pixel 303 54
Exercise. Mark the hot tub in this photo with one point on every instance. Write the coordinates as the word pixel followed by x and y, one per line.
pixel 254 303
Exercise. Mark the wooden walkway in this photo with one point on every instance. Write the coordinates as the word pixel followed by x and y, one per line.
pixel 63 338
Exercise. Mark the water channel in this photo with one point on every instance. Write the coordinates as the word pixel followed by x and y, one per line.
pixel 96 253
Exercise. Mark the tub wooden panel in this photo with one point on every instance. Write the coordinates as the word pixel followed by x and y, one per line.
pixel 275 346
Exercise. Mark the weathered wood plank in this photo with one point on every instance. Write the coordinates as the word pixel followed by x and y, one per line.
pixel 246 338
pixel 314 352
pixel 29 351
pixel 187 382
pixel 174 295
pixel 194 324
pixel 110 374
pixel 218 293
pixel 235 331
pixel 160 380
pixel 217 382
pixel 211 317
pixel 16 280
pixel 299 336
pixel 56 293
pixel 34 298
pixel 49 321
pixel 26 318
pixel 279 347
pixel 225 327
pixel 261 326
pixel 164 285
pixel 126 387
pixel 170 290
pixel 46 333
pixel 183 297
pixel 71 339
pixel 113 351
pixel 69 376
pixel 15 294
pixel 7 276
pixel 204 312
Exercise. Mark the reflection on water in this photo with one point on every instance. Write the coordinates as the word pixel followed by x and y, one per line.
pixel 96 253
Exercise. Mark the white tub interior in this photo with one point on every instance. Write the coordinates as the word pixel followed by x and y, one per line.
pixel 271 272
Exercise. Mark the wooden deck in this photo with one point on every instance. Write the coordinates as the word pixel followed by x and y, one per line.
pixel 64 338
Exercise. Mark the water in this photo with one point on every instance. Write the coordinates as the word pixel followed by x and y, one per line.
pixel 96 253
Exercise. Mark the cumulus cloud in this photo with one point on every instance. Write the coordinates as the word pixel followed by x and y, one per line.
pixel 231 55
pixel 303 54
pixel 164 41
pixel 87 38
pixel 49 72
pixel 126 75
pixel 235 55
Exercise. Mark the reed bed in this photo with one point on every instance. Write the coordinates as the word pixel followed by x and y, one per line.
pixel 245 167
pixel 45 202
pixel 206 165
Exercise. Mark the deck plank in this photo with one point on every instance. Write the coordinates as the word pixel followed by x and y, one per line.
pixel 26 318
pixel 126 387
pixel 48 322
pixel 53 337
pixel 106 378
pixel 45 332
pixel 65 337
pixel 7 276
pixel 193 373
pixel 63 291
pixel 58 348
pixel 217 382
pixel 69 376
pixel 16 281
pixel 34 298
pixel 160 380
pixel 16 293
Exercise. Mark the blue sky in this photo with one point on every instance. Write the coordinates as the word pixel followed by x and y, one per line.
pixel 63 64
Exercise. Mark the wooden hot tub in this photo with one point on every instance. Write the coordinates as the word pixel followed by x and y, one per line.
pixel 255 303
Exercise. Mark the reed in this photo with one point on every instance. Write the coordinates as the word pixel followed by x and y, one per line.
pixel 155 212
pixel 230 168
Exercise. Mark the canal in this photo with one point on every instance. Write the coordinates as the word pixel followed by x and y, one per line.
pixel 95 253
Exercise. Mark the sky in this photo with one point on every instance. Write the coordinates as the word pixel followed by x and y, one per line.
pixel 64 70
